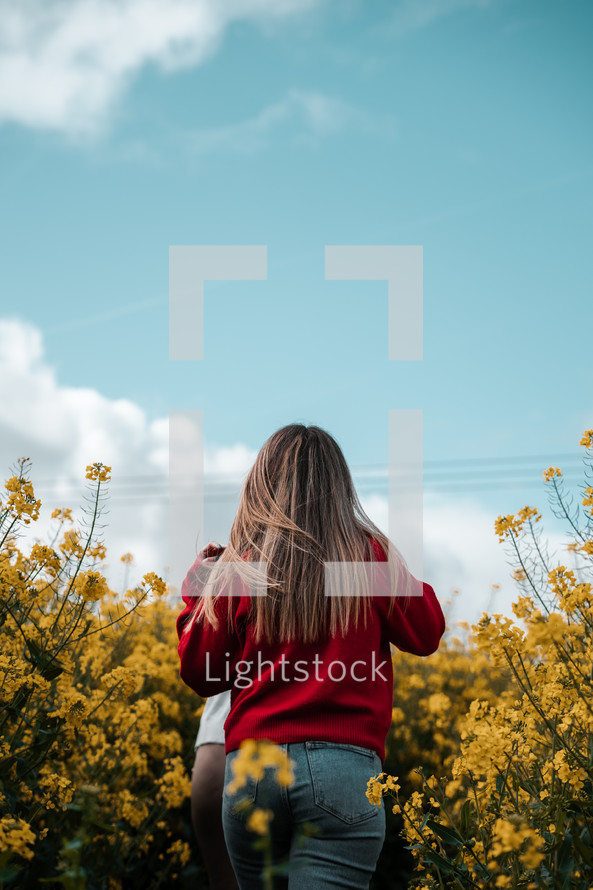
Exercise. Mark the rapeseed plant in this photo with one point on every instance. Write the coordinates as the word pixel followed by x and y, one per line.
pixel 514 806
pixel 93 717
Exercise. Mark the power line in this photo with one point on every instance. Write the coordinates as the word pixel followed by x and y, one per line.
pixel 466 485
pixel 368 471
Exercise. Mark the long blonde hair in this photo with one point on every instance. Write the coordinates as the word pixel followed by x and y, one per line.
pixel 298 511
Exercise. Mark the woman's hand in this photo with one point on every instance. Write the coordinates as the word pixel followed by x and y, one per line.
pixel 212 551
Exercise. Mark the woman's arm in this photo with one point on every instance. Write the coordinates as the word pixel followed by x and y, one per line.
pixel 207 655
pixel 415 623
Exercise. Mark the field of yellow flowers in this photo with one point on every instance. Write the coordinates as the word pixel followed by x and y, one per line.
pixel 505 782
pixel 488 776
pixel 95 725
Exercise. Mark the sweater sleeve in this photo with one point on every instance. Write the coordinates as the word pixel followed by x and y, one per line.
pixel 207 655
pixel 416 623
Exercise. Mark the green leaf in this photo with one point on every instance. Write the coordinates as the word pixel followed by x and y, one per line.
pixel 565 862
pixel 465 817
pixel 424 821
pixel 584 851
pixel 76 843
pixel 48 666
pixel 440 861
pixel 70 880
pixel 446 834
pixel 284 869
pixel 9 873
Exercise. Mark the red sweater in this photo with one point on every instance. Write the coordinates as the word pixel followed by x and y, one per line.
pixel 338 689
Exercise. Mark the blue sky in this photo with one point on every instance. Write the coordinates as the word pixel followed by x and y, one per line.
pixel 460 126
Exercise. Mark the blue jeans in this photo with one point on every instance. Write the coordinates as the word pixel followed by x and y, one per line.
pixel 324 831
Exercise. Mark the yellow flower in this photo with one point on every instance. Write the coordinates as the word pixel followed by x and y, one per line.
pixel 122 680
pixel 180 851
pixel 21 499
pixel 98 472
pixel 254 757
pixel 152 580
pixel 59 791
pixel 508 835
pixel 91 586
pixel 16 835
pixel 390 784
pixel 71 544
pixel 174 784
pixel 259 820
pixel 511 834
pixel 524 515
pixel 523 607
pixel 551 472
pixel 62 515
pixel 504 525
pixel 587 439
pixel 73 709
pixel 98 551
pixel 452 788
pixel 561 766
pixel 45 557
pixel 532 857
pixel 374 790
pixel 134 810
pixel 438 703
pixel 284 776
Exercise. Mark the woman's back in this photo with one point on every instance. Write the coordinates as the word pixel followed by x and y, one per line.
pixel 337 688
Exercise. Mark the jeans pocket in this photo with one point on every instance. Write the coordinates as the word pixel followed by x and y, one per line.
pixel 340 773
pixel 238 803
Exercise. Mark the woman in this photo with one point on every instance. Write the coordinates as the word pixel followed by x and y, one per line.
pixel 207 785
pixel 296 617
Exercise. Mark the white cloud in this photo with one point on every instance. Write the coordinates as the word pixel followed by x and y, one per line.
pixel 65 63
pixel 229 462
pixel 75 422
pixel 63 429
pixel 312 115
pixel 462 553
pixel 414 15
